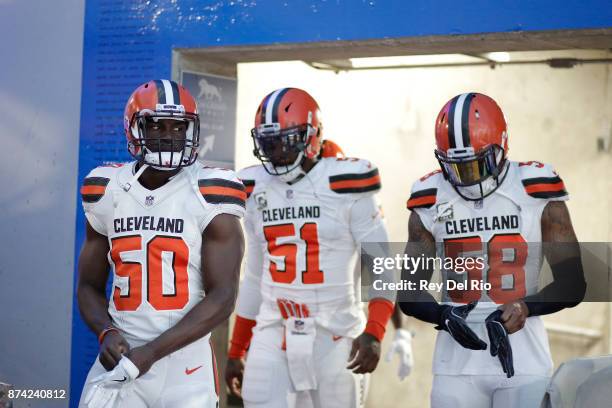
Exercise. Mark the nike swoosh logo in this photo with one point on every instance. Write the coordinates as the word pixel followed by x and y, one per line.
pixel 193 370
pixel 124 378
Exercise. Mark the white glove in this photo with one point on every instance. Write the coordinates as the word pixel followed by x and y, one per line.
pixel 108 387
pixel 402 345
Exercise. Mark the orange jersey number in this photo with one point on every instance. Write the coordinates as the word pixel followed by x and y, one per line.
pixel 174 247
pixel 288 251
pixel 499 245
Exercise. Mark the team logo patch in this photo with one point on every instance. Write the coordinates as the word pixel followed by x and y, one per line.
pixel 149 201
pixel 261 200
pixel 444 212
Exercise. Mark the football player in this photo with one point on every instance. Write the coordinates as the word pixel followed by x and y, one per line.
pixel 300 297
pixel 169 231
pixel 509 214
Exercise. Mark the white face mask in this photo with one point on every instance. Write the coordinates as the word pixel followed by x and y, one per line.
pixel 484 188
pixel 287 176
pixel 169 160
pixel 474 192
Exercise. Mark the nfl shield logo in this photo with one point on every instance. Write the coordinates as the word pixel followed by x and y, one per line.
pixel 289 194
pixel 149 201
pixel 299 325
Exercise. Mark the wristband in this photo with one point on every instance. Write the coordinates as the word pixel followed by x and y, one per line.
pixel 105 331
pixel 241 337
pixel 379 313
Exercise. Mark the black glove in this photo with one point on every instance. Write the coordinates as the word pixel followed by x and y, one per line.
pixel 500 343
pixel 452 319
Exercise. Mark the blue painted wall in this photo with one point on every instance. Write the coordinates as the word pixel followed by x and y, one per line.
pixel 127 42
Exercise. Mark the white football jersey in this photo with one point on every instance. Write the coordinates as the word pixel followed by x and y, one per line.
pixel 504 230
pixel 303 241
pixel 155 239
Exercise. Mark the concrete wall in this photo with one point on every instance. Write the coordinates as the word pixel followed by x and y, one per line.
pixel 40 89
pixel 554 116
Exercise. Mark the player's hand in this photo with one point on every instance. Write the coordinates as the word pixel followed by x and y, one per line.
pixel 142 357
pixel 106 388
pixel 365 354
pixel 514 315
pixel 112 348
pixel 500 343
pixel 453 321
pixel 234 370
pixel 402 346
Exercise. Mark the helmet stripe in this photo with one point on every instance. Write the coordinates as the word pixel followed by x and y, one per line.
pixel 457 122
pixel 270 103
pixel 450 121
pixel 168 91
pixel 465 120
pixel 264 105
pixel 175 93
pixel 161 91
pixel 277 102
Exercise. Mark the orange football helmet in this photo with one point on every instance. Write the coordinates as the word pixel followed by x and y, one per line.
pixel 287 131
pixel 472 144
pixel 162 99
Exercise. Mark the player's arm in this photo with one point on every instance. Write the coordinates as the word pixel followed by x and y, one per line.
pixel 562 251
pixel 249 300
pixel 222 250
pixel 91 297
pixel 367 225
pixel 421 304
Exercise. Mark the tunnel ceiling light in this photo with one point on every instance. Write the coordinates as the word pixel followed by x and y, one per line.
pixel 498 56
pixel 555 60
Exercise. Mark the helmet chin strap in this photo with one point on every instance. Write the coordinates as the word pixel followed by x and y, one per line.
pixel 293 175
pixel 126 187
pixel 296 173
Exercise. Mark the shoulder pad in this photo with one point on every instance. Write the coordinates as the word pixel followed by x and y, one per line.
pixel 352 175
pixel 249 176
pixel 540 180
pixel 95 183
pixel 221 186
pixel 424 191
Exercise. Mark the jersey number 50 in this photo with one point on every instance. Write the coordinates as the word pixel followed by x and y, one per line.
pixel 309 234
pixel 176 247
